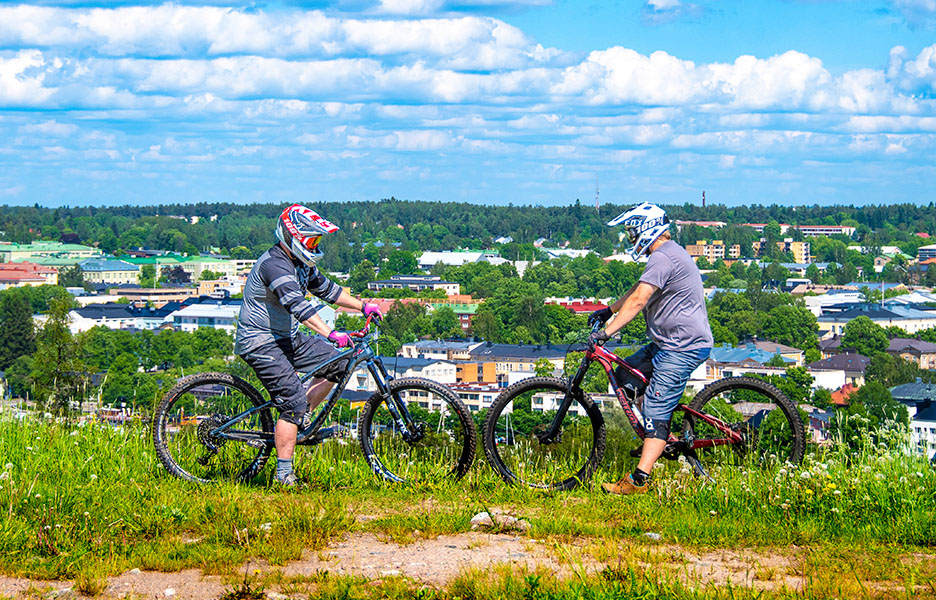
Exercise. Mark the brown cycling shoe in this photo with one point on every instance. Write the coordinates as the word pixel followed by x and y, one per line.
pixel 625 487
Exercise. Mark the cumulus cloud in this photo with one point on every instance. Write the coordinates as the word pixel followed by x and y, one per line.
pixel 204 31
pixel 211 87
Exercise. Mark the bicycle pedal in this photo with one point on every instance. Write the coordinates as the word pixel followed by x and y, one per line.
pixel 259 444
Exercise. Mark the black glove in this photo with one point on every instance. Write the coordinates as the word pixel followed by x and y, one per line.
pixel 598 338
pixel 600 316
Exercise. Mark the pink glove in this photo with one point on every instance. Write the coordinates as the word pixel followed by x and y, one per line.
pixel 339 338
pixel 372 310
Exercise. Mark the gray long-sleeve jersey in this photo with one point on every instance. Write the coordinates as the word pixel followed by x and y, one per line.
pixel 275 299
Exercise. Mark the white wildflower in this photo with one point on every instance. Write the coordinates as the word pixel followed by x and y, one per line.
pixel 9 466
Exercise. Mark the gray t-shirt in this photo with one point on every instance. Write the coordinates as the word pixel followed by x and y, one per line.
pixel 676 315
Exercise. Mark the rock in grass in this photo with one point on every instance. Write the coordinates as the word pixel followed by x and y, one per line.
pixel 482 519
pixel 276 596
pixel 502 521
pixel 653 536
pixel 512 523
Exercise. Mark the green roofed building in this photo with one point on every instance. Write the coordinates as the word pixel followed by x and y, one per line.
pixel 12 252
pixel 193 265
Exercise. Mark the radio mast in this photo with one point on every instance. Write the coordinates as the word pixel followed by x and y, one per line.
pixel 596 193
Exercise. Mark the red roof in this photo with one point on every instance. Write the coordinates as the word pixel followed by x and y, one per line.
pixel 581 306
pixel 923 235
pixel 840 397
pixel 25 267
pixel 383 303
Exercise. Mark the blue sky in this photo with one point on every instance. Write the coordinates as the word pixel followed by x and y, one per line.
pixel 485 101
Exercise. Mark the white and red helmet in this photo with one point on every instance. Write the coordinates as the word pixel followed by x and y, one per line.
pixel 643 224
pixel 301 229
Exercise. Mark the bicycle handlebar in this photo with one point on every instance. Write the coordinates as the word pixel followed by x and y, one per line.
pixel 364 330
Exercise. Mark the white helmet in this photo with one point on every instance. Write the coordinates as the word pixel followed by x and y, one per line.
pixel 643 224
pixel 301 229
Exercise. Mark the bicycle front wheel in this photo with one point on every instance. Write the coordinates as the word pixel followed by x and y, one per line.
pixel 514 428
pixel 194 435
pixel 768 423
pixel 439 445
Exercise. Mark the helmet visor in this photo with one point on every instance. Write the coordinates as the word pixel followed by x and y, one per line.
pixel 311 242
pixel 632 234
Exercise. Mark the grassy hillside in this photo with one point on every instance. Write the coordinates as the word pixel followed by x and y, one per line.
pixel 88 502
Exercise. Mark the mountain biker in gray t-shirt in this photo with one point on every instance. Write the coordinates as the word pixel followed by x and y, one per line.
pixel 671 297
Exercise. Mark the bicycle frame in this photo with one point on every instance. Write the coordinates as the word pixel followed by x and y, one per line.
pixel 608 360
pixel 358 354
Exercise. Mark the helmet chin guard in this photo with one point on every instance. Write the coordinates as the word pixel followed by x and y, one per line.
pixel 643 225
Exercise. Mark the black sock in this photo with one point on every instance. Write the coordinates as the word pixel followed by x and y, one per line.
pixel 639 476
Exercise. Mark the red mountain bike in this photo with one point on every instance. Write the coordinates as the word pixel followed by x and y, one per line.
pixel 546 432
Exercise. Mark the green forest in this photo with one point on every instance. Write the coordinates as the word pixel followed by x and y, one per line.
pixel 390 225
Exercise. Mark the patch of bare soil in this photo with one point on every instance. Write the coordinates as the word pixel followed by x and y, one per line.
pixel 433 561
pixel 439 560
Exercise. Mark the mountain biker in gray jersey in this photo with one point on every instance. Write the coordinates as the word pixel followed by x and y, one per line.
pixel 670 295
pixel 268 336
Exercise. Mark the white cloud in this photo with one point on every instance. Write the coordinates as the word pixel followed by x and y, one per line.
pixel 50 128
pixel 410 7
pixel 915 75
pixel 918 12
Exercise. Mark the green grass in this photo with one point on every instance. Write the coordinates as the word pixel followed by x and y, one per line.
pixel 88 502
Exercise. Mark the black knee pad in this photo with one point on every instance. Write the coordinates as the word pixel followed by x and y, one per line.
pixel 658 430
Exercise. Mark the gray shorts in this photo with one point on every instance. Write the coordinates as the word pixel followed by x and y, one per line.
pixel 278 363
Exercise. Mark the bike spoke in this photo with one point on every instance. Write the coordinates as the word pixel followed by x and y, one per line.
pixel 518 436
pixel 432 447
pixel 766 433
pixel 190 423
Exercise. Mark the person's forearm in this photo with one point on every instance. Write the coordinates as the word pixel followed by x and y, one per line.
pixel 316 324
pixel 346 300
pixel 631 306
pixel 619 303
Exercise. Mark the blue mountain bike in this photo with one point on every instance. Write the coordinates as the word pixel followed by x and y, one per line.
pixel 215 426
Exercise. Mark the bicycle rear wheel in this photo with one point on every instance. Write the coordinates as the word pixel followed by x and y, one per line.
pixel 187 419
pixel 769 424
pixel 445 434
pixel 526 409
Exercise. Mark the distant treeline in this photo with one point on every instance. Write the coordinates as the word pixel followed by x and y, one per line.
pixel 246 230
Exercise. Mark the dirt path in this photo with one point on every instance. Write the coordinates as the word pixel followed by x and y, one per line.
pixel 437 561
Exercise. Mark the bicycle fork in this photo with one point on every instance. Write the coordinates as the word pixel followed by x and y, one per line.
pixel 411 432
pixel 553 435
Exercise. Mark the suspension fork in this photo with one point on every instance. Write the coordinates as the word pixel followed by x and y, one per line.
pixel 553 434
pixel 398 410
